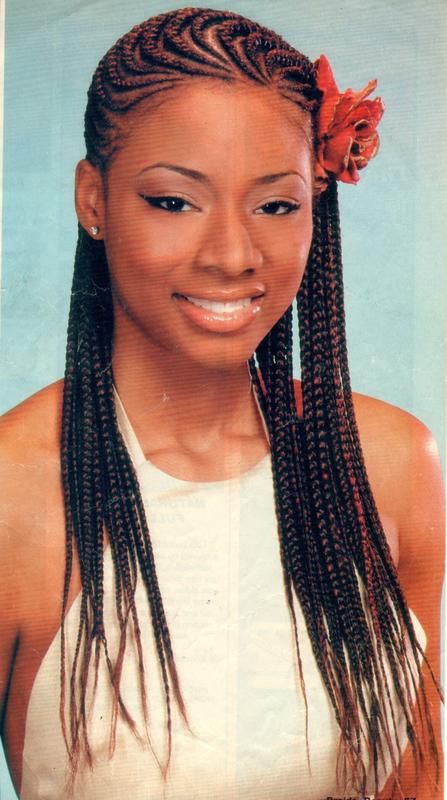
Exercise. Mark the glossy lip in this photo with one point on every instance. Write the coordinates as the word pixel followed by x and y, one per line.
pixel 225 322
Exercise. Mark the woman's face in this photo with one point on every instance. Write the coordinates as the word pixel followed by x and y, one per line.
pixel 207 220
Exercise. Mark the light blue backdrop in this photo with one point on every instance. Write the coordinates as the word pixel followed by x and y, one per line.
pixel 393 221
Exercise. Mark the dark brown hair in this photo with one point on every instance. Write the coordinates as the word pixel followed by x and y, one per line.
pixel 335 556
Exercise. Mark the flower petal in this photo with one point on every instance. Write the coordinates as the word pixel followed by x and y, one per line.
pixel 346 127
pixel 337 151
pixel 325 77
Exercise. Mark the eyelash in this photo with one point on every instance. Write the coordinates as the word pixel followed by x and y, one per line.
pixel 156 202
pixel 291 207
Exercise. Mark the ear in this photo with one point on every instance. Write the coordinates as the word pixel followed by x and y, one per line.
pixel 89 199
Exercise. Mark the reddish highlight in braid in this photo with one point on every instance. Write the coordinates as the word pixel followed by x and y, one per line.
pixel 334 553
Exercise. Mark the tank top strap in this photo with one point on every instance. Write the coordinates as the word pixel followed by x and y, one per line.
pixel 128 433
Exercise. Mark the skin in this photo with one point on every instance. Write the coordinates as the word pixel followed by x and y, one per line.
pixel 186 389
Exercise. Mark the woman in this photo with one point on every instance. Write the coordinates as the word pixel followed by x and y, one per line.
pixel 220 528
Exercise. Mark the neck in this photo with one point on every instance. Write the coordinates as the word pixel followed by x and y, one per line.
pixel 171 400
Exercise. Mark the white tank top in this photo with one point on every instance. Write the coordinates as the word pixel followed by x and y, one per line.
pixel 218 563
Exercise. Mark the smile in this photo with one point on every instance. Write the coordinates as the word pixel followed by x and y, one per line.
pixel 219 316
pixel 226 307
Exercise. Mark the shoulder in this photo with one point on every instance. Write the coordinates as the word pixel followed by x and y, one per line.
pixel 32 428
pixel 395 444
pixel 404 472
pixel 32 536
pixel 405 476
pixel 382 425
pixel 401 455
pixel 29 451
pixel 29 480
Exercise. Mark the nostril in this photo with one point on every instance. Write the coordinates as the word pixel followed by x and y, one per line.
pixel 225 267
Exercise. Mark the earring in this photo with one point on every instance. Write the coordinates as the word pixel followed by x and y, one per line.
pixel 94 230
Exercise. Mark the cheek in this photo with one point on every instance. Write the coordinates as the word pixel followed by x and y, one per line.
pixel 141 256
pixel 292 254
pixel 134 241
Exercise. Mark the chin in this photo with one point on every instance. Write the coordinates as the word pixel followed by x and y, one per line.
pixel 224 356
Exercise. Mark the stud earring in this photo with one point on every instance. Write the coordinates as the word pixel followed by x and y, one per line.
pixel 94 230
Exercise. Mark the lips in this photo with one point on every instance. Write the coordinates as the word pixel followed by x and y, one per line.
pixel 222 314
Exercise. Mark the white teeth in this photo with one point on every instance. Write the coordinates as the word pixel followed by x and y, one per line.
pixel 219 308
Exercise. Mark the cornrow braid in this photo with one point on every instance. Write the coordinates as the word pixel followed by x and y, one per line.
pixel 168 49
pixel 335 557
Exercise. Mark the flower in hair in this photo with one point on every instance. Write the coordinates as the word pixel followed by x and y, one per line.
pixel 347 136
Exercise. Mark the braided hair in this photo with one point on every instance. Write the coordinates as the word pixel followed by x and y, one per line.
pixel 335 557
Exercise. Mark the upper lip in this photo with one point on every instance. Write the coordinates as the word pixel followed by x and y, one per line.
pixel 225 295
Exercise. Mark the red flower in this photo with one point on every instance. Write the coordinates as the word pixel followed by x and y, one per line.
pixel 347 136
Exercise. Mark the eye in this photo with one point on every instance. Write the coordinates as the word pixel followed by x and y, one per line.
pixel 168 203
pixel 278 208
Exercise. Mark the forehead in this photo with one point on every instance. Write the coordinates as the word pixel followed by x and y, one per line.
pixel 212 121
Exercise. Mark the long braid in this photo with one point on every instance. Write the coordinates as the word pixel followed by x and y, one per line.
pixel 336 561
pixel 365 542
pixel 109 501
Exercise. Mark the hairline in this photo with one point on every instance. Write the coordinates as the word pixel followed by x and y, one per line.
pixel 153 102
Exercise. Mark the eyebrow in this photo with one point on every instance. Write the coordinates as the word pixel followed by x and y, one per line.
pixel 200 176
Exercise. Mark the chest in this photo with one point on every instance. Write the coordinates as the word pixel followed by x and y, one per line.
pixel 220 576
pixel 219 569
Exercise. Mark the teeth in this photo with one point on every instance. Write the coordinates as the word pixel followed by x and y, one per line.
pixel 219 308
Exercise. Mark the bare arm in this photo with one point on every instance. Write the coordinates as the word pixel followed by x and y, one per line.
pixel 31 555
pixel 413 495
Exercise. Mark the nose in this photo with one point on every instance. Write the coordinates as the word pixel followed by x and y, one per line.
pixel 227 244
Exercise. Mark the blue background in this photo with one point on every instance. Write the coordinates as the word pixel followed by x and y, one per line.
pixel 393 222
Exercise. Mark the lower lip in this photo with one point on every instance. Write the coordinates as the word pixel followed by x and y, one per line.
pixel 219 322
